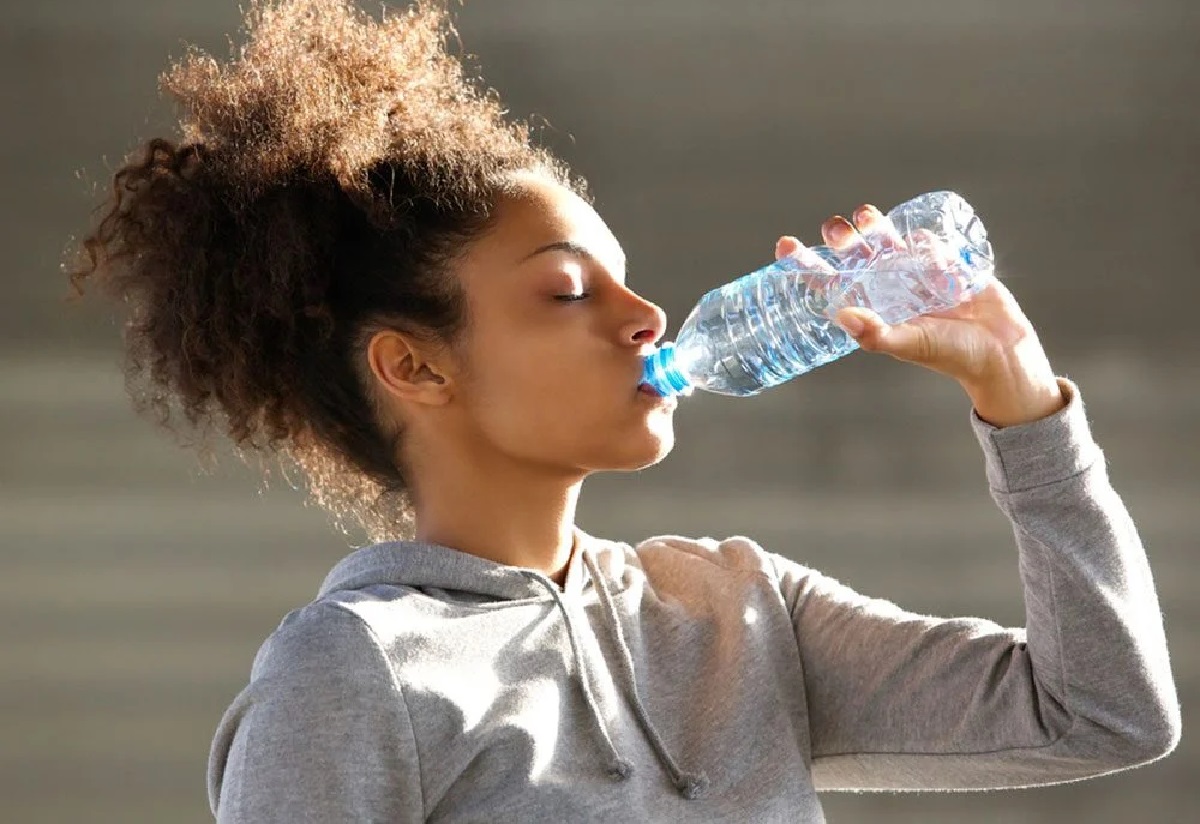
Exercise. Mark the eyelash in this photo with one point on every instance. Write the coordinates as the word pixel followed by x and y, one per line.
pixel 573 298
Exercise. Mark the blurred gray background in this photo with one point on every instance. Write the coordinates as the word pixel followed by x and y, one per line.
pixel 134 589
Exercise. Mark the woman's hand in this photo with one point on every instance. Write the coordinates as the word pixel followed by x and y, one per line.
pixel 986 343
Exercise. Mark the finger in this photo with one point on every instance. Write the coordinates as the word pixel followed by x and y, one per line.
pixel 861 323
pixel 877 229
pixel 841 236
pixel 811 262
pixel 912 342
pixel 786 246
pixel 851 248
pixel 946 275
pixel 931 248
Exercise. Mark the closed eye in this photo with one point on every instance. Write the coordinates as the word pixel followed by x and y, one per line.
pixel 573 298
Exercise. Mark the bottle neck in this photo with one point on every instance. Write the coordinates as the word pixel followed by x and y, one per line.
pixel 662 373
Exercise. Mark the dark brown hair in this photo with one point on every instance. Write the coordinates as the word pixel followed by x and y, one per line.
pixel 324 178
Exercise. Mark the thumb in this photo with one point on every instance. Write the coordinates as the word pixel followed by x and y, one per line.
pixel 906 341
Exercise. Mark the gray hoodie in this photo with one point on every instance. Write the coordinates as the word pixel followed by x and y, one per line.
pixel 703 680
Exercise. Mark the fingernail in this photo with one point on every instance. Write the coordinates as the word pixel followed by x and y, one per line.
pixel 851 323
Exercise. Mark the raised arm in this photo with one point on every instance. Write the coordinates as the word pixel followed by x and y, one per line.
pixel 905 701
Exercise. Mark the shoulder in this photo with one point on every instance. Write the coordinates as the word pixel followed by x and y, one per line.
pixel 733 555
pixel 325 644
pixel 320 723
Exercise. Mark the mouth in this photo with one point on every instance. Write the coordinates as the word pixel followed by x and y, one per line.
pixel 646 392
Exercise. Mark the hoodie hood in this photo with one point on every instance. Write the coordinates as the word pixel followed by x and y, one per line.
pixel 441 571
pixel 430 566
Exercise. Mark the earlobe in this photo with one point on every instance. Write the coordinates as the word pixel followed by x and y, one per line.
pixel 404 369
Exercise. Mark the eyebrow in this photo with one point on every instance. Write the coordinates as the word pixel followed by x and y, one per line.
pixel 568 246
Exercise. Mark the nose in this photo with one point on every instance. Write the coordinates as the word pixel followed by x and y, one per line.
pixel 647 325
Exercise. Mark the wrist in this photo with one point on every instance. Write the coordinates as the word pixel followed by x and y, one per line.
pixel 1018 399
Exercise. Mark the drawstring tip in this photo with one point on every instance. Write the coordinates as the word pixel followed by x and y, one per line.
pixel 620 770
pixel 692 787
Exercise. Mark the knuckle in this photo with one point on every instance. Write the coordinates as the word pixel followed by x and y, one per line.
pixel 927 344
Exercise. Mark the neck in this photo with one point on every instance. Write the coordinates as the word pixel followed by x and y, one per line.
pixel 513 515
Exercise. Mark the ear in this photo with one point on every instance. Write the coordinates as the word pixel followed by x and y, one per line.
pixel 405 368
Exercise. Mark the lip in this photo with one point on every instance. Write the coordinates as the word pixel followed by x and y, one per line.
pixel 647 392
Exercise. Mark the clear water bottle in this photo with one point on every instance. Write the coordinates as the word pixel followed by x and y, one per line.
pixel 777 322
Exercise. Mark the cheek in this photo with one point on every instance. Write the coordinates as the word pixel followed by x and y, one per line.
pixel 537 400
pixel 580 424
pixel 542 407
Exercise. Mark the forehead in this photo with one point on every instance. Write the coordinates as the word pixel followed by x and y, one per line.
pixel 538 212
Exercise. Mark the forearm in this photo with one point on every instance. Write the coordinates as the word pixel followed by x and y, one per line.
pixel 905 701
pixel 1094 629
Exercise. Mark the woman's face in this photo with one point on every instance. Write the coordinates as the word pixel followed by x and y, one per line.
pixel 553 351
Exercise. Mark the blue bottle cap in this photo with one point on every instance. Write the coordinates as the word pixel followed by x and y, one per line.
pixel 661 372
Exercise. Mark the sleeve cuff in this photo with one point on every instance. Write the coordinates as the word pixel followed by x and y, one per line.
pixel 1051 449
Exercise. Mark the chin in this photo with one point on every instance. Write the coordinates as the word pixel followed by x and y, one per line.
pixel 643 452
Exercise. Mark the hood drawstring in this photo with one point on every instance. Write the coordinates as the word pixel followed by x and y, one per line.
pixel 619 768
pixel 689 785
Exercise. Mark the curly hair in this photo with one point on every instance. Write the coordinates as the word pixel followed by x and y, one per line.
pixel 323 181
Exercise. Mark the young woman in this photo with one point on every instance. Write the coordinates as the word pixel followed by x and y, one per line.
pixel 351 259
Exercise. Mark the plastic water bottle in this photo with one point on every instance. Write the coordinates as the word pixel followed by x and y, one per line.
pixel 777 322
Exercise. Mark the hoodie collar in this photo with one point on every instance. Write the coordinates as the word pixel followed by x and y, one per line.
pixel 418 564
pixel 422 564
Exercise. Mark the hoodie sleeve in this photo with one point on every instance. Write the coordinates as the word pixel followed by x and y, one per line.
pixel 904 701
pixel 320 734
